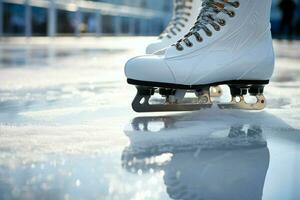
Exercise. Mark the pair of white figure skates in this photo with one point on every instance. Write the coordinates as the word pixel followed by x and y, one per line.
pixel 207 43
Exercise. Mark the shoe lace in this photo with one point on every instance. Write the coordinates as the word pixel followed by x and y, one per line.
pixel 208 15
pixel 180 16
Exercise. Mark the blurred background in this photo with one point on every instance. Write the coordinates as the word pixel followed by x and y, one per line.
pixel 113 17
pixel 79 17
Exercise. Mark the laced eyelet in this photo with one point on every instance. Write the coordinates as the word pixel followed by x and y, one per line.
pixel 222 22
pixel 236 4
pixel 199 39
pixel 231 14
pixel 189 44
pixel 179 48
pixel 208 33
pixel 216 27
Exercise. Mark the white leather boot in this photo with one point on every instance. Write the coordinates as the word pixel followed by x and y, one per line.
pixel 185 14
pixel 230 44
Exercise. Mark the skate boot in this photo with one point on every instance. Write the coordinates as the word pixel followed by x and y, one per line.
pixel 230 44
pixel 185 14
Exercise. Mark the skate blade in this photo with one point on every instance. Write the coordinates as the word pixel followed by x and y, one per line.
pixel 216 91
pixel 186 100
pixel 145 106
pixel 242 104
pixel 169 107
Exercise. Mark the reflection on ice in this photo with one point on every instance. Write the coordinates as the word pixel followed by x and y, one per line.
pixel 203 159
pixel 186 156
pixel 218 174
pixel 196 173
pixel 209 129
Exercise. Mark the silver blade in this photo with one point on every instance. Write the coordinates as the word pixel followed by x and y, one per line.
pixel 242 104
pixel 144 106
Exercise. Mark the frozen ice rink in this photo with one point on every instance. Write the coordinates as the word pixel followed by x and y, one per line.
pixel 67 130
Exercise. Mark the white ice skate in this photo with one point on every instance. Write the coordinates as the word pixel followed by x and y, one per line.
pixel 230 44
pixel 185 13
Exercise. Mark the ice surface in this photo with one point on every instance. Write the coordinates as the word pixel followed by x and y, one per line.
pixel 67 130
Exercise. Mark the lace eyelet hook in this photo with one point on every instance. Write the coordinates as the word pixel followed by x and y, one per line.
pixel 179 48
pixel 231 13
pixel 236 4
